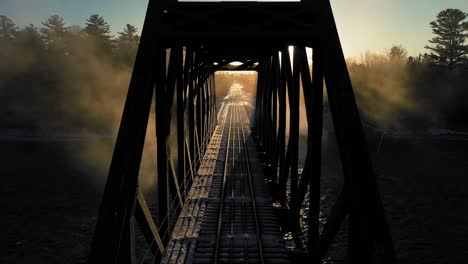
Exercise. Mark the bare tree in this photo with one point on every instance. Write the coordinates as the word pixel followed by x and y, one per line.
pixel 397 54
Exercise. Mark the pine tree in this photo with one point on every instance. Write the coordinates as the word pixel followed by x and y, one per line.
pixel 449 49
pixel 129 34
pixel 30 38
pixel 99 30
pixel 76 31
pixel 127 44
pixel 54 26
pixel 8 29
pixel 55 32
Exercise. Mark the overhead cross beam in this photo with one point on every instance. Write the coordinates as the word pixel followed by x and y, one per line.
pixel 227 24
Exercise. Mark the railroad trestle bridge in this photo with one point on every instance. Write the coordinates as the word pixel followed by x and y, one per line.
pixel 214 199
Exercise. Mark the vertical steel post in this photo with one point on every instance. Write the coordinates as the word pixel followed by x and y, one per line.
pixel 294 134
pixel 314 147
pixel 367 220
pixel 119 197
pixel 275 86
pixel 259 104
pixel 180 119
pixel 191 107
pixel 281 144
pixel 288 79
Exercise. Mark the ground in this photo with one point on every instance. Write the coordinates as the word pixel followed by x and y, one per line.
pixel 50 205
pixel 50 200
pixel 423 182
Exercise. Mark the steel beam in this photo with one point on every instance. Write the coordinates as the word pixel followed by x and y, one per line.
pixel 118 201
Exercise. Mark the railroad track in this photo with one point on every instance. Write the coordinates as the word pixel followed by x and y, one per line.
pixel 237 164
pixel 239 225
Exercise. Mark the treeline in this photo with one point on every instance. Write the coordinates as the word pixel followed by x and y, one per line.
pixel 56 38
pixel 63 77
pixel 224 80
pixel 69 77
pixel 430 90
pixel 395 91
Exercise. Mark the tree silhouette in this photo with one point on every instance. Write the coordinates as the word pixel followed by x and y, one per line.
pixel 397 54
pixel 8 29
pixel 127 44
pixel 30 38
pixel 129 34
pixel 54 26
pixel 449 47
pixel 99 30
pixel 55 32
pixel 76 30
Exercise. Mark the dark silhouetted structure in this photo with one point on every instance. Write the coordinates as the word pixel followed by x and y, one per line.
pixel 204 38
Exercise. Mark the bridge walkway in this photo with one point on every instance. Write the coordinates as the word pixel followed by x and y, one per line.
pixel 228 215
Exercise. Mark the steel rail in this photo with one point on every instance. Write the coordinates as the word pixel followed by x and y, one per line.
pixel 223 190
pixel 252 192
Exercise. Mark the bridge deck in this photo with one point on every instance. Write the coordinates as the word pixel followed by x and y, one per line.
pixel 228 216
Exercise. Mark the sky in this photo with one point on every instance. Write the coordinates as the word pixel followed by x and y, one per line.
pixel 364 25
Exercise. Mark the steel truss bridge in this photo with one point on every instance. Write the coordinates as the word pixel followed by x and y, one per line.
pixel 214 203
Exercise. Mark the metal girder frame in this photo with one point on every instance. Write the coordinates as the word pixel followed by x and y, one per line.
pixel 144 218
pixel 369 237
pixel 187 82
pixel 243 31
pixel 221 26
pixel 263 30
pixel 119 197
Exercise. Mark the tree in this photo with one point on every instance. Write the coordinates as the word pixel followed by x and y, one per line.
pixel 397 54
pixel 127 44
pixel 449 49
pixel 99 30
pixel 8 29
pixel 55 32
pixel 76 30
pixel 30 38
pixel 129 34
pixel 54 26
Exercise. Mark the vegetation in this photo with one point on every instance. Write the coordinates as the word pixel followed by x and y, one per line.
pixel 69 77
pixel 399 92
pixel 224 80
pixel 128 44
pixel 64 77
pixel 449 45
pixel 422 92
pixel 7 28
pixel 98 31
